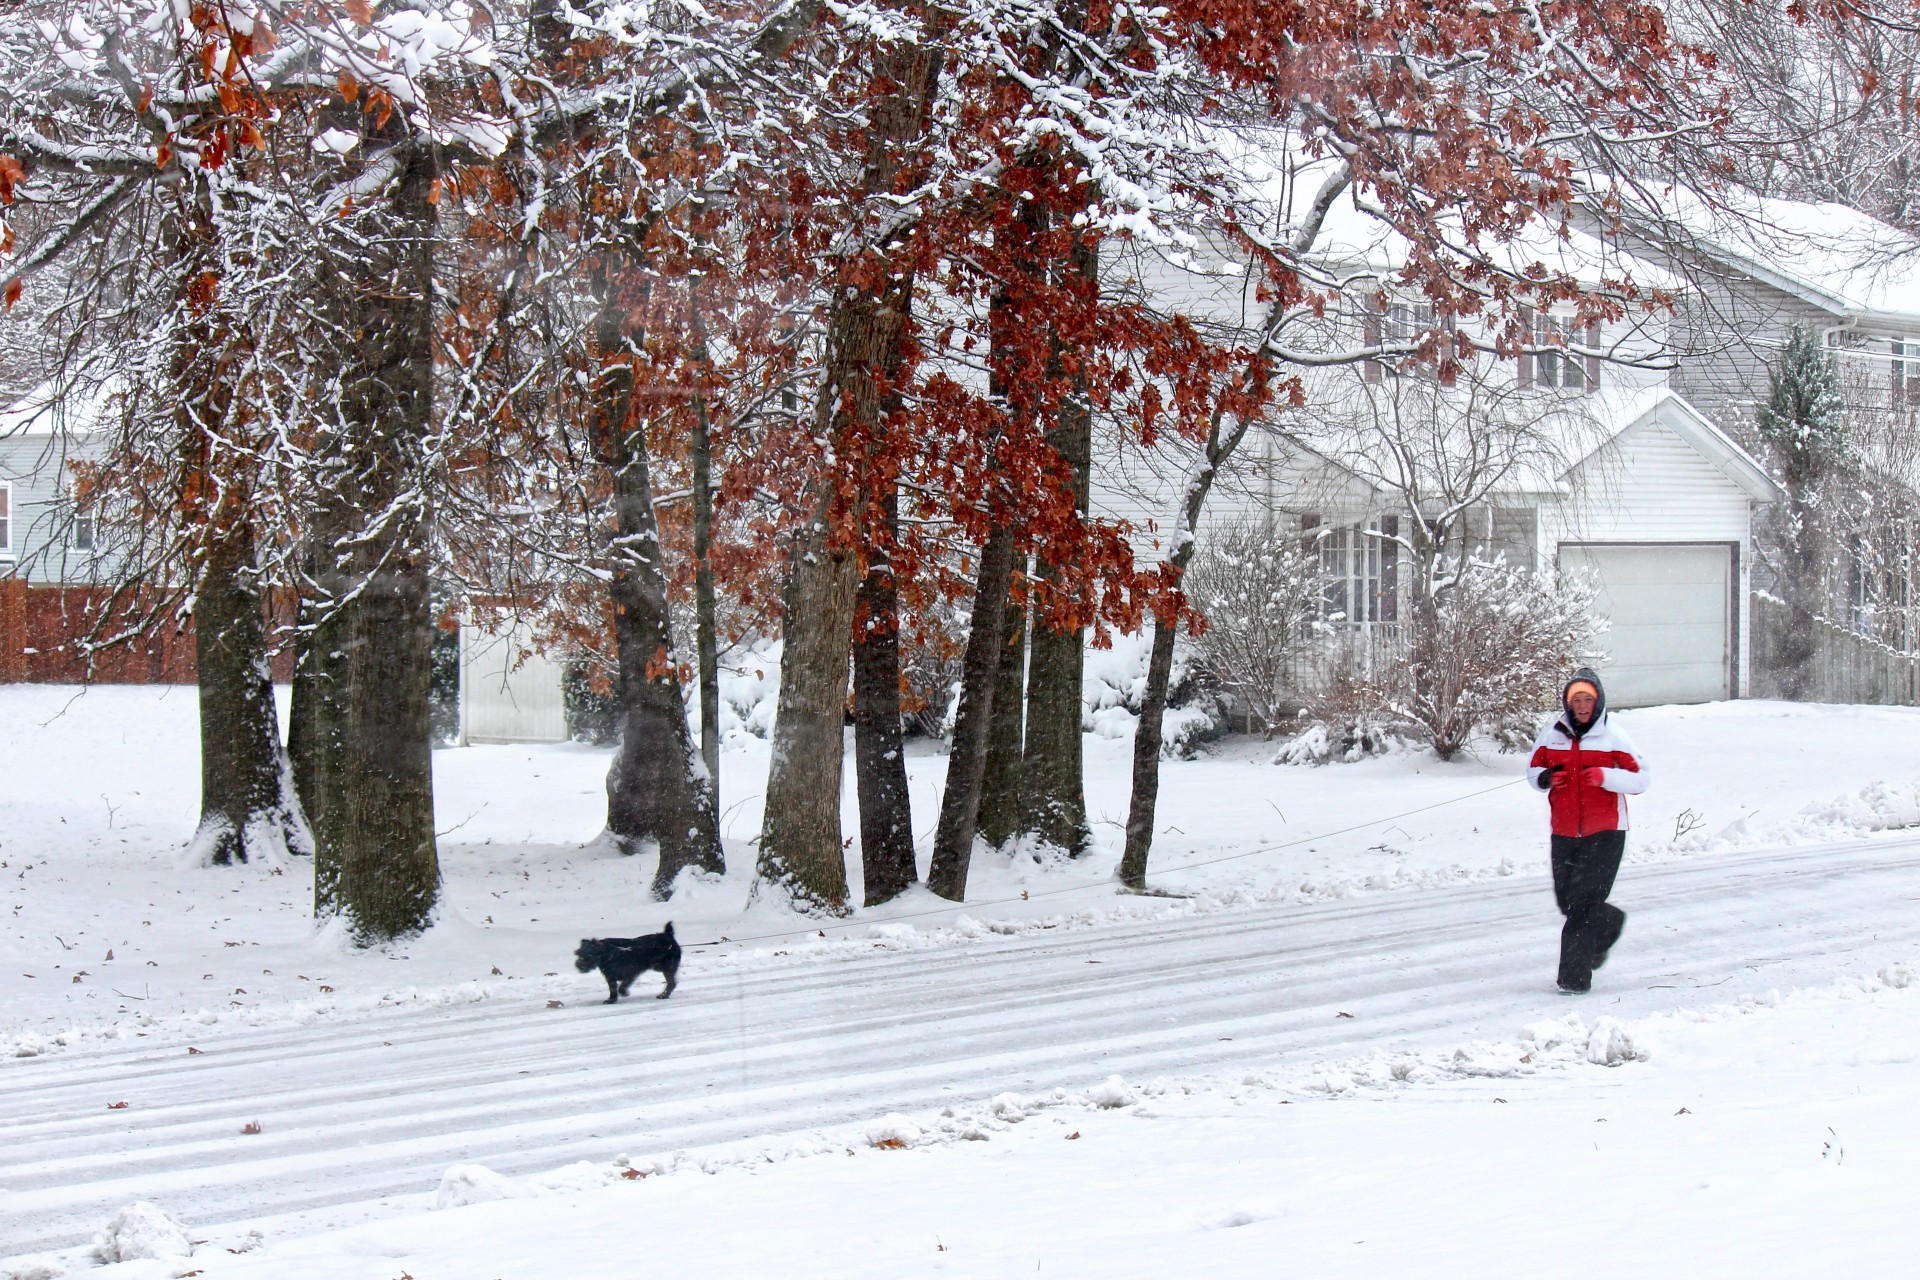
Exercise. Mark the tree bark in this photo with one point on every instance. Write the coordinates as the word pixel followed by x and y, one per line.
pixel 247 806
pixel 706 624
pixel 1153 705
pixel 1006 736
pixel 657 788
pixel 1146 758
pixel 376 865
pixel 1054 798
pixel 879 754
pixel 967 762
pixel 801 848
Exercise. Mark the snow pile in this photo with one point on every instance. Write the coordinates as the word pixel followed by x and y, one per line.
pixel 895 1130
pixel 1881 806
pixel 1611 1044
pixel 465 1184
pixel 1111 1093
pixel 27 1045
pixel 1009 1107
pixel 141 1230
pixel 32 1269
pixel 1113 683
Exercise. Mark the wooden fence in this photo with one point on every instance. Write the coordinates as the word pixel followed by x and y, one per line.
pixel 1845 667
pixel 44 631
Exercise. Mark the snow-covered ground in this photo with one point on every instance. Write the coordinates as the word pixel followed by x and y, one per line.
pixel 1340 1054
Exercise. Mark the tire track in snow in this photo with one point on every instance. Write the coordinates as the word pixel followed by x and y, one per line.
pixel 358 1113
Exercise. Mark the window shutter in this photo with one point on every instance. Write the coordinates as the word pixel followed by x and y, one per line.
pixel 1389 609
pixel 1373 332
pixel 1526 357
pixel 1593 361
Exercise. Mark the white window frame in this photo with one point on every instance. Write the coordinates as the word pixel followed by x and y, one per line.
pixel 1553 366
pixel 6 519
pixel 1360 565
pixel 1903 383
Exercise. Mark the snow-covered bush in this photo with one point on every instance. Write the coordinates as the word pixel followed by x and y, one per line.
pixel 1490 654
pixel 933 642
pixel 1262 599
pixel 1348 712
pixel 1114 681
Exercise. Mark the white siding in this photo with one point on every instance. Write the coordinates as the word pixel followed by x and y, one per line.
pixel 507 692
pixel 34 467
pixel 1261 483
pixel 1650 486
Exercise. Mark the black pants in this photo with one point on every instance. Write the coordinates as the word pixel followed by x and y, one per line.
pixel 1583 872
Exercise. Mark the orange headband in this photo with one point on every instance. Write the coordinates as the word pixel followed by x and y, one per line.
pixel 1578 685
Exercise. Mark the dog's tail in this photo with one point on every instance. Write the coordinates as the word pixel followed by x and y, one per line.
pixel 669 929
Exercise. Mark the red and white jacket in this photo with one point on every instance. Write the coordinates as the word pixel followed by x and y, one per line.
pixel 1579 809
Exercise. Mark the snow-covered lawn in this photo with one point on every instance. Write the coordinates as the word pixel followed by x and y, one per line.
pixel 1465 1121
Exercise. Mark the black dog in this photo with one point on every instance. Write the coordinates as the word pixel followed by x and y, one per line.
pixel 621 960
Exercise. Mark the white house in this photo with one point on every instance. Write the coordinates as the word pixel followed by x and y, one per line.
pixel 1591 459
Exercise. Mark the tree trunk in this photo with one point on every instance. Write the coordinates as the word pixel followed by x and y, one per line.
pixel 657 788
pixel 880 764
pixel 1153 705
pixel 1000 782
pixel 247 806
pixel 1146 758
pixel 967 762
pixel 376 866
pixel 1054 798
pixel 706 624
pixel 801 849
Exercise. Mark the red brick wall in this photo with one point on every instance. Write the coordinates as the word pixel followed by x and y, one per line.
pixel 42 629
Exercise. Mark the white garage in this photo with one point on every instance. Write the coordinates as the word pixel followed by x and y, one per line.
pixel 1659 510
pixel 509 690
pixel 1670 613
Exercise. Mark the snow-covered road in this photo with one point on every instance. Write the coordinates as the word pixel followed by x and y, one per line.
pixel 363 1115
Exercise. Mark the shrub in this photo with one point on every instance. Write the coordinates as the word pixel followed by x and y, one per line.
pixel 593 712
pixel 1490 655
pixel 1261 599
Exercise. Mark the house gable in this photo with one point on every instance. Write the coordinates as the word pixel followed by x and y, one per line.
pixel 1668 475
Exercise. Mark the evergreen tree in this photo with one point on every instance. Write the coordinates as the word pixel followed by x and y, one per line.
pixel 1804 424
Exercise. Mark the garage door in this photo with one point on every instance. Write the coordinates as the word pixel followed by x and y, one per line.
pixel 1669 638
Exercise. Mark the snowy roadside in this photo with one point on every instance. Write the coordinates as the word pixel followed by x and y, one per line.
pixel 111 939
pixel 1768 1137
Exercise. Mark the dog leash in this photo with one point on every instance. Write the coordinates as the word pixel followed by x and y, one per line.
pixel 821 929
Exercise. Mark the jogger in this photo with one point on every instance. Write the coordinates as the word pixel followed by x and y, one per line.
pixel 1588 766
pixel 1583 872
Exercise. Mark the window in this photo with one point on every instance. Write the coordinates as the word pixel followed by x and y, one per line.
pixel 1554 365
pixel 6 518
pixel 1399 322
pixel 1906 372
pixel 83 531
pixel 1361 565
